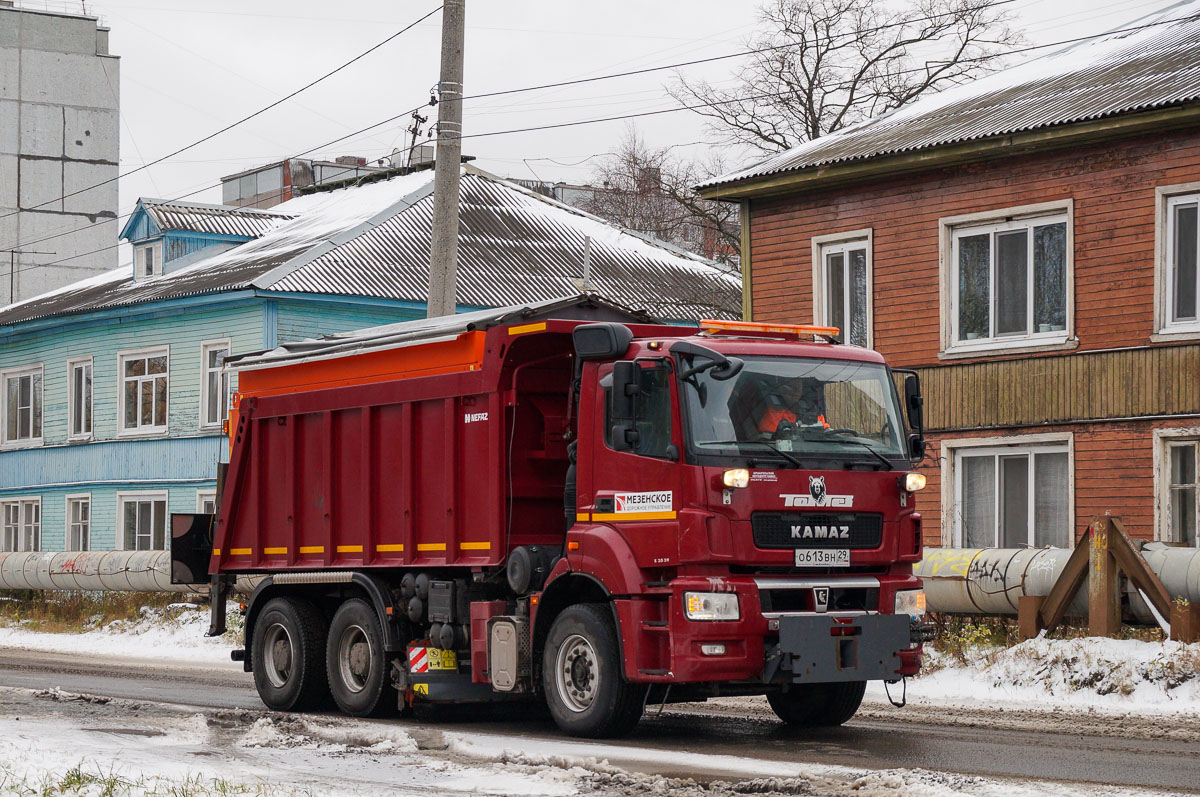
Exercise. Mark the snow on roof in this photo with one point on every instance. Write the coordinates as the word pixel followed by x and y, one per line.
pixel 172 215
pixel 1147 63
pixel 373 240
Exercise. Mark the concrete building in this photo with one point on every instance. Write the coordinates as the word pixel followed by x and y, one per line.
pixel 59 136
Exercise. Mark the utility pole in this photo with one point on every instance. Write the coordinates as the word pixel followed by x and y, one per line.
pixel 443 243
pixel 12 268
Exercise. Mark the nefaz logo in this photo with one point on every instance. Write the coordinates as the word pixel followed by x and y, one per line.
pixel 472 417
pixel 643 502
pixel 803 532
pixel 817 496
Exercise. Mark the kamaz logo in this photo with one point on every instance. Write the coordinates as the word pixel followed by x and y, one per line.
pixel 820 532
pixel 839 501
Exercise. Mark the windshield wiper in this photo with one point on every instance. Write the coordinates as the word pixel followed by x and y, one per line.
pixel 887 465
pixel 763 443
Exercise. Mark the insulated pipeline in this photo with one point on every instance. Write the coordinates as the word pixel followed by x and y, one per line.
pixel 128 571
pixel 993 580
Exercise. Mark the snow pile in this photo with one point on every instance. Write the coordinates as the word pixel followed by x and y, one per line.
pixel 292 732
pixel 176 633
pixel 1091 672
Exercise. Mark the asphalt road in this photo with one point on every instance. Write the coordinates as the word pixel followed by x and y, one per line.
pixel 869 743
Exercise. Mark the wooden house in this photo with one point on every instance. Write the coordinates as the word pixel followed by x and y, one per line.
pixel 1028 243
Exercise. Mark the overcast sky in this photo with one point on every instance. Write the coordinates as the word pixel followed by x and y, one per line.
pixel 189 68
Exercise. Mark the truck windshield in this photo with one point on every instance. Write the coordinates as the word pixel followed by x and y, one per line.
pixel 795 409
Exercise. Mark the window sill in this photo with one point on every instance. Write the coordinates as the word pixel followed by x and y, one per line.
pixel 1022 346
pixel 1176 333
pixel 212 427
pixel 126 434
pixel 84 438
pixel 17 445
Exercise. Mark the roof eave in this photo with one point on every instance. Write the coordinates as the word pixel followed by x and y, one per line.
pixel 1046 138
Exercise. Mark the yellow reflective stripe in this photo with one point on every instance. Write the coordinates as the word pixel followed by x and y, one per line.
pixel 475 546
pixel 582 516
pixel 216 551
pixel 634 516
pixel 349 549
pixel 239 551
pixel 270 551
pixel 390 547
pixel 312 549
pixel 527 328
pixel 431 546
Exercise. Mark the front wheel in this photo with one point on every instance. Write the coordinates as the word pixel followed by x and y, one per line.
pixel 818 705
pixel 581 675
pixel 288 655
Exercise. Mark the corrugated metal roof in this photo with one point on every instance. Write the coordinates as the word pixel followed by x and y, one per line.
pixel 214 219
pixel 428 330
pixel 515 246
pixel 1148 63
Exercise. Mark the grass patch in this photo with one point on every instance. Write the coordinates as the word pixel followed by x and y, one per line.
pixel 93 781
pixel 76 612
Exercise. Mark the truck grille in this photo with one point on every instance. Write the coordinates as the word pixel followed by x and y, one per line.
pixel 813 530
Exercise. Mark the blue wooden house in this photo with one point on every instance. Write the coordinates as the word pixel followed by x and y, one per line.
pixel 114 394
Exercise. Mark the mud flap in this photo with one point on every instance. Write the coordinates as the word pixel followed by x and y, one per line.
pixel 822 649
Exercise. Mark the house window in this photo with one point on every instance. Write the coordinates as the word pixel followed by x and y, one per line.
pixel 144 392
pixel 22 529
pixel 148 260
pixel 143 518
pixel 206 502
pixel 1013 497
pixel 79 399
pixel 1183 492
pixel 79 522
pixel 1182 288
pixel 214 394
pixel 23 406
pixel 842 281
pixel 1007 279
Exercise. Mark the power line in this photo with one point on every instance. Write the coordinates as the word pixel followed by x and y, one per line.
pixel 243 120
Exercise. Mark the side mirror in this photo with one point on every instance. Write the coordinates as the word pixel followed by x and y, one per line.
pixel 625 437
pixel 915 405
pixel 916 447
pixel 626 384
pixel 601 341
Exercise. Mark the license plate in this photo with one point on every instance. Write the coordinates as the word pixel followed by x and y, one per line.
pixel 822 557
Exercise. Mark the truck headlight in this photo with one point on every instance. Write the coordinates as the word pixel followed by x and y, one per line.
pixel 911 602
pixel 711 606
pixel 914 482
pixel 738 477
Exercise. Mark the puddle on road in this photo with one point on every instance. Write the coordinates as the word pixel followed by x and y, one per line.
pixel 127 731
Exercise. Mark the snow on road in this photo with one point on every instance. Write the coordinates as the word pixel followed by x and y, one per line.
pixel 136 748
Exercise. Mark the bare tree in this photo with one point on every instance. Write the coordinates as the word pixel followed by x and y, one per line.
pixel 824 64
pixel 652 191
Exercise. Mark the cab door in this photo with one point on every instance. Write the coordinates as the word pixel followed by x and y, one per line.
pixel 634 484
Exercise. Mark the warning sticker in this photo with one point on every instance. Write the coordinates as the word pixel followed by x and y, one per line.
pixel 427 659
pixel 644 502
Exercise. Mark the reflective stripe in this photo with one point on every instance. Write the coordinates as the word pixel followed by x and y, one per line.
pixel 270 551
pixel 634 516
pixel 312 549
pixel 527 328
pixel 475 546
pixel 349 549
pixel 239 551
pixel 431 546
pixel 390 547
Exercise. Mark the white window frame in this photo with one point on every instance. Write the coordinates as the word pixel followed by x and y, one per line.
pixel 72 410
pixel 205 495
pixel 154 250
pixel 951 228
pixel 141 431
pixel 22 501
pixel 226 344
pixel 143 495
pixel 5 375
pixel 1165 199
pixel 1163 438
pixel 951 519
pixel 843 242
pixel 68 522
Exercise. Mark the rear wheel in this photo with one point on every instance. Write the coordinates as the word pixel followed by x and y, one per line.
pixel 357 666
pixel 287 653
pixel 581 675
pixel 818 705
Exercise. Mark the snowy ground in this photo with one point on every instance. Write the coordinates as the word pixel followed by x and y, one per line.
pixel 52 743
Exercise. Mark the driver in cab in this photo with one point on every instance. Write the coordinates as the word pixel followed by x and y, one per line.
pixel 785 404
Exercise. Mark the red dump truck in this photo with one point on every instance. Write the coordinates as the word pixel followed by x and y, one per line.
pixel 562 501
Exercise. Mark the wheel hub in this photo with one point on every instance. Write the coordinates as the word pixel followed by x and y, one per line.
pixel 577 673
pixel 277 655
pixel 354 658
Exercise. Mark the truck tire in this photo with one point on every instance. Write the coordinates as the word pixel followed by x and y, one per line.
pixel 582 675
pixel 288 655
pixel 818 705
pixel 355 661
